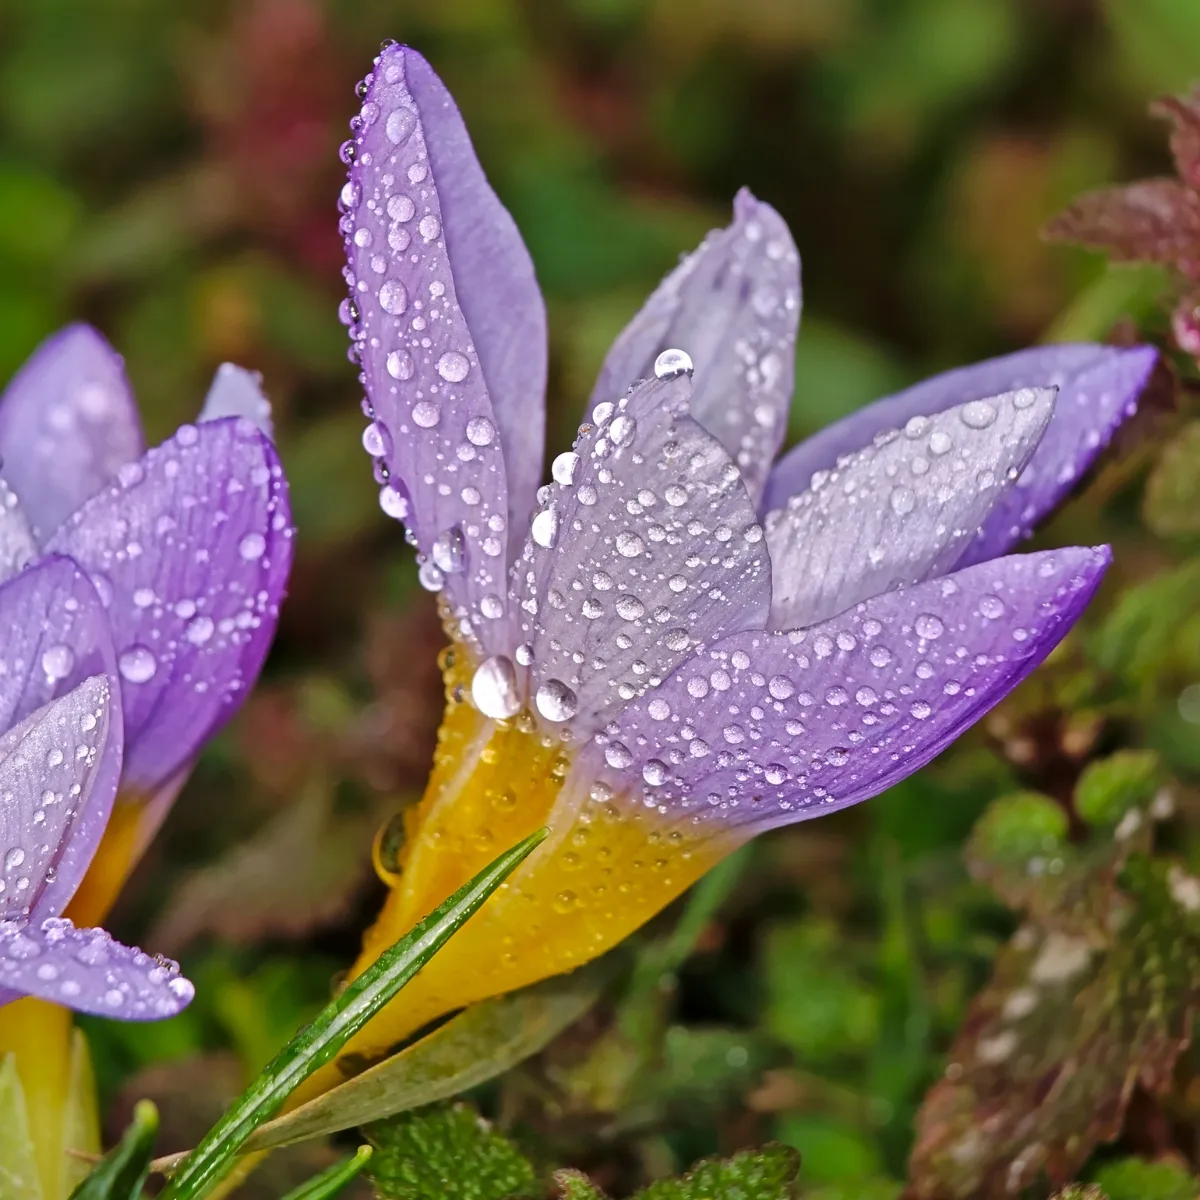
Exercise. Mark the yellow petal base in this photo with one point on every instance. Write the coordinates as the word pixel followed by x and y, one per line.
pixel 608 866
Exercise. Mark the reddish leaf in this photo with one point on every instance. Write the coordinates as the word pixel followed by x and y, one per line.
pixel 1155 220
pixel 1184 111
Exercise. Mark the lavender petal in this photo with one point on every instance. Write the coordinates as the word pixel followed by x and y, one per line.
pixel 645 547
pixel 733 306
pixel 190 550
pixel 18 546
pixel 763 729
pixel 59 770
pixel 902 510
pixel 68 421
pixel 449 327
pixel 236 392
pixel 89 971
pixel 1097 386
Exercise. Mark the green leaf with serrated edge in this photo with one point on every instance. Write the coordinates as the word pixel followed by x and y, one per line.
pixel 446 1153
pixel 1136 1179
pixel 319 1042
pixel 330 1182
pixel 1078 1013
pixel 766 1174
pixel 119 1175
pixel 486 1040
pixel 18 1163
pixel 574 1185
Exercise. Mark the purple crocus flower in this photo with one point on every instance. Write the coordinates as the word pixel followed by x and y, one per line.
pixel 674 645
pixel 60 764
pixel 188 546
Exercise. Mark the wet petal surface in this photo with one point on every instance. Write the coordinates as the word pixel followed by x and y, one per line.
pixel 1098 389
pixel 644 548
pixel 733 306
pixel 18 547
pixel 67 422
pixel 236 392
pixel 764 729
pixel 189 551
pixel 59 769
pixel 901 510
pixel 449 326
pixel 89 971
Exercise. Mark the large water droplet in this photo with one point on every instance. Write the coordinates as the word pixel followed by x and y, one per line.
pixel 617 754
pixel 544 527
pixel 453 367
pixel 929 626
pixel 399 125
pixel 671 363
pixel 376 440
pixel 252 546
pixel 978 414
pixel 449 551
pixel 426 414
pixel 555 701
pixel 494 688
pixel 480 431
pixel 393 297
pixel 57 662
pixel 564 468
pixel 400 364
pixel 137 664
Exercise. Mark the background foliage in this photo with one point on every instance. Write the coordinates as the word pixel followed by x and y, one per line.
pixel 168 171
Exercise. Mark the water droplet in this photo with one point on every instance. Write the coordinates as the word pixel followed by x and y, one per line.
pixel 655 772
pixel 399 125
pixel 480 431
pixel 492 607
pixel 629 545
pixel 252 546
pixel 199 630
pixel 630 608
pixel 928 626
pixel 449 551
pixel 426 414
pixel 622 431
pixel 393 502
pixel 376 441
pixel 544 527
pixel 393 297
pixel 400 364
pixel 429 227
pixel 137 664
pixel 671 363
pixel 401 208
pixel 453 367
pixel 977 414
pixel 14 858
pixel 617 754
pixel 902 500
pixel 555 701
pixel 57 662
pixel 991 607
pixel 564 468
pixel 494 688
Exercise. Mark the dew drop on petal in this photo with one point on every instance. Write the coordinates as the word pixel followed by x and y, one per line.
pixel 671 363
pixel 617 754
pixel 137 664
pixel 494 688
pixel 929 626
pixel 252 546
pixel 544 527
pixel 978 414
pixel 449 551
pixel 400 365
pixel 564 468
pixel 480 431
pixel 655 772
pixel 555 701
pixel 57 662
pixel 393 297
pixel 453 367
pixel 399 125
pixel 991 607
pixel 426 414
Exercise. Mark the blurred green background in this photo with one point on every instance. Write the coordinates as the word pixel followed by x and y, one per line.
pixel 169 171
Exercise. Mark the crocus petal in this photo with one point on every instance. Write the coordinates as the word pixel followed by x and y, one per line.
pixel 54 765
pixel 236 392
pixel 733 306
pixel 450 329
pixel 18 547
pixel 190 550
pixel 89 971
pixel 763 729
pixel 903 509
pixel 67 422
pixel 1097 386
pixel 646 547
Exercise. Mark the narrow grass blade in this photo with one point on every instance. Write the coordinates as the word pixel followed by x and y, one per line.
pixel 330 1182
pixel 119 1175
pixel 318 1043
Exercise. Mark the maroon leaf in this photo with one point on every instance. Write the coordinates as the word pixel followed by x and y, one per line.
pixel 1155 220
pixel 1184 112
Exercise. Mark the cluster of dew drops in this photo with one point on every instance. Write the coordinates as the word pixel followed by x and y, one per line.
pixel 494 687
